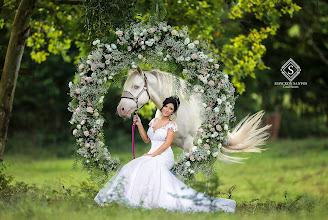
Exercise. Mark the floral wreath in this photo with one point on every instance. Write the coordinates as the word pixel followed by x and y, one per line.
pixel 158 43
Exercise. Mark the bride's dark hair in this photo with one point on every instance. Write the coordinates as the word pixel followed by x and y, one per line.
pixel 174 100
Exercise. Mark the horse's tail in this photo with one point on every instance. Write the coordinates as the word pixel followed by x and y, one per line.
pixel 246 137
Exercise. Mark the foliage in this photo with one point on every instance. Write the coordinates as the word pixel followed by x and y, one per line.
pixel 154 44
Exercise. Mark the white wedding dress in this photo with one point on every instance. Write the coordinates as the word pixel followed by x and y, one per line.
pixel 147 182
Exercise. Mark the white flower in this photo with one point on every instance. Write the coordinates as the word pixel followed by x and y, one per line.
pixel 78 126
pixel 194 149
pixel 164 29
pixel 70 84
pixel 81 66
pixel 174 32
pixel 215 154
pixel 204 105
pixel 101 99
pixel 82 122
pixel 187 59
pixel 226 127
pixel 227 110
pixel 224 98
pixel 140 56
pixel 187 154
pixel 191 171
pixel 208 152
pixel 160 53
pixel 219 101
pixel 96 42
pixel 113 46
pixel 215 134
pixel 187 41
pixel 98 122
pixel 191 46
pixel 199 141
pixel 226 76
pixel 220 145
pixel 188 163
pixel 216 109
pixel 119 33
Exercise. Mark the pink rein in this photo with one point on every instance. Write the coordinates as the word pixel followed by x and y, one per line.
pixel 133 127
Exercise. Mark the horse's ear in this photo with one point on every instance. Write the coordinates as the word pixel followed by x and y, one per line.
pixel 139 70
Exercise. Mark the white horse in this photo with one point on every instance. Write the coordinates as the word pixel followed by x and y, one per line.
pixel 245 137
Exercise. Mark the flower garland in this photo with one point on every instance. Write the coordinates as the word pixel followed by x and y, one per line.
pixel 156 44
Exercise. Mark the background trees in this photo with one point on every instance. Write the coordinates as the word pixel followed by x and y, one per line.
pixel 253 38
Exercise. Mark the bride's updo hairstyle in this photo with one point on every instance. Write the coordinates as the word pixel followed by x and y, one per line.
pixel 174 101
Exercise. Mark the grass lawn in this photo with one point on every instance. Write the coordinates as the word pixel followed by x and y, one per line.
pixel 293 170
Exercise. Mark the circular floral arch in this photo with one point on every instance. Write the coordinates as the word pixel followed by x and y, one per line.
pixel 157 44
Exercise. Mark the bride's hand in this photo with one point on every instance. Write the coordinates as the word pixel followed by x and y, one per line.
pixel 137 119
pixel 148 155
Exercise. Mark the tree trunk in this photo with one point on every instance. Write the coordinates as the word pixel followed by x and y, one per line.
pixel 19 33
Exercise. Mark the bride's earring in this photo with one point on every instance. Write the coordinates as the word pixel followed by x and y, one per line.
pixel 172 118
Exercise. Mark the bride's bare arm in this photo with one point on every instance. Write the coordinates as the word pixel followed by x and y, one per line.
pixel 143 134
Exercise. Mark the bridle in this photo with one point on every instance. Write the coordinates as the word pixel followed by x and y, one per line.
pixel 129 95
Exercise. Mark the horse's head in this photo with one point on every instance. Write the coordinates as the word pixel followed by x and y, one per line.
pixel 135 93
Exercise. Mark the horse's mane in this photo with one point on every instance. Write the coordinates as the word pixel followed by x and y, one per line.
pixel 166 81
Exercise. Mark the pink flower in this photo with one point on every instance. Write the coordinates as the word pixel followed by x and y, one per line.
pixel 78 110
pixel 89 57
pixel 216 66
pixel 206 146
pixel 106 56
pixel 89 79
pixel 211 83
pixel 201 130
pixel 218 127
pixel 86 133
pixel 77 91
pixel 81 66
pixel 174 32
pixel 119 33
pixel 194 56
pixel 105 72
pixel 152 30
pixel 196 42
pixel 74 132
pixel 208 108
pixel 192 158
pixel 181 35
pixel 140 56
pixel 129 48
pixel 90 109
pixel 96 114
pixel 93 68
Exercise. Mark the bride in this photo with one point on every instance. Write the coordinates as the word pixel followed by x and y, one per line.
pixel 147 181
